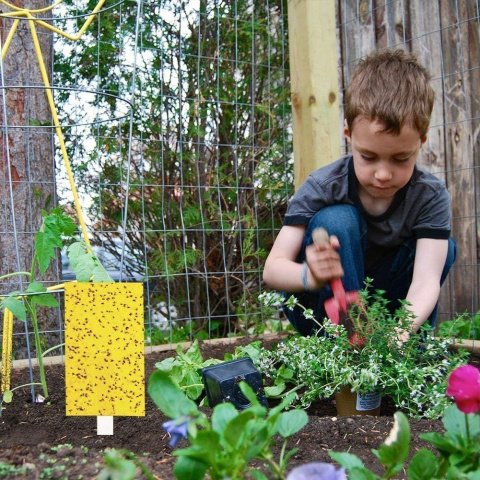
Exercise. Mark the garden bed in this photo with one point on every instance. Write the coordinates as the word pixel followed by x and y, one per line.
pixel 50 445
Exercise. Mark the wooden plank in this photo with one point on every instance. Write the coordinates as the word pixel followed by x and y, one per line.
pixel 426 44
pixel 357 32
pixel 458 136
pixel 314 84
pixel 471 45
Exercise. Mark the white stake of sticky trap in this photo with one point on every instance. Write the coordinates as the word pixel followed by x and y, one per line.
pixel 105 425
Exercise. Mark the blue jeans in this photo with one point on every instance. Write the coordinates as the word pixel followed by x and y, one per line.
pixel 391 269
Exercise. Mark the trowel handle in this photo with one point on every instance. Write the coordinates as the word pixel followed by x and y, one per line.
pixel 320 236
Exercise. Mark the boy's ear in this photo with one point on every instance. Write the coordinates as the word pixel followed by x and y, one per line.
pixel 346 132
pixel 424 139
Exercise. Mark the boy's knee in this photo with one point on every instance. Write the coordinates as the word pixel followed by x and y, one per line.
pixel 338 220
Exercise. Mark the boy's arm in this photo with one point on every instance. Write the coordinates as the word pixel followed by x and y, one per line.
pixel 282 272
pixel 424 290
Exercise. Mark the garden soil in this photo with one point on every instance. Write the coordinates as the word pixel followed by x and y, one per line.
pixel 38 441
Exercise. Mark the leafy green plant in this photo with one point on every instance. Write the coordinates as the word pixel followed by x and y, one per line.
pixel 463 327
pixel 458 447
pixel 56 228
pixel 223 446
pixel 121 465
pixel 185 368
pixel 412 372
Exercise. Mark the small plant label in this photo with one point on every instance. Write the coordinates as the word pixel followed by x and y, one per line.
pixel 104 349
pixel 368 401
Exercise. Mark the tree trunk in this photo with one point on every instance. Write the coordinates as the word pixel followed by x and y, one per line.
pixel 27 168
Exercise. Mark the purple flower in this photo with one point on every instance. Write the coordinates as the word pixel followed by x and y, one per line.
pixel 177 429
pixel 317 471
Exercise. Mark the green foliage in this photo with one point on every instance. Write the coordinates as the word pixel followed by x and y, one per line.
pixel 458 448
pixel 210 169
pixel 185 368
pixel 117 467
pixel 56 229
pixel 224 446
pixel 7 470
pixel 463 327
pixel 412 372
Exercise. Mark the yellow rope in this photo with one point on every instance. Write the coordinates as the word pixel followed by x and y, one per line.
pixel 7 350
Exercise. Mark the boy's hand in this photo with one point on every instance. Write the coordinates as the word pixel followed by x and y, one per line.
pixel 324 262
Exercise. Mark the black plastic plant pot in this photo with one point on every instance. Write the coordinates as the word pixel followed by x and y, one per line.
pixel 221 383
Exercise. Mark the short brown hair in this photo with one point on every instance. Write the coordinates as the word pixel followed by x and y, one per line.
pixel 393 88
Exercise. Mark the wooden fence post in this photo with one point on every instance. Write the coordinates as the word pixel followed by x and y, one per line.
pixel 314 83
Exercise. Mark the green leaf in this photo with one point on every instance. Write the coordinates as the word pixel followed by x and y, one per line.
pixel 47 300
pixel 193 355
pixel 291 422
pixel 204 447
pixel 256 475
pixel 16 306
pixel 222 414
pixel 45 244
pixel 442 443
pixel 99 274
pixel 234 432
pixel 166 365
pixel 394 451
pixel 116 467
pixel 82 267
pixel 347 460
pixel 361 474
pixel 455 422
pixel 188 468
pixel 423 465
pixel 275 391
pixel 36 287
pixel 194 386
pixel 7 396
pixel 474 475
pixel 168 397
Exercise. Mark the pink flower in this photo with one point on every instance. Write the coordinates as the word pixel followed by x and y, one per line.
pixel 464 386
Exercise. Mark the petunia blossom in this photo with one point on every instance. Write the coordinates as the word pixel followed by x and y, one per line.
pixel 464 387
pixel 176 430
pixel 317 471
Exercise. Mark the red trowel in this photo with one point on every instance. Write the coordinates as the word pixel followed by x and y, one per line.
pixel 337 306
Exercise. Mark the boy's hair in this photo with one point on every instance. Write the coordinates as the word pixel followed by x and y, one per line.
pixel 393 88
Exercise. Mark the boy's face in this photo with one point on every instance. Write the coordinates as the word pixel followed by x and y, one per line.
pixel 383 161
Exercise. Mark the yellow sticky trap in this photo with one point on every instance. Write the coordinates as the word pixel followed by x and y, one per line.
pixel 104 349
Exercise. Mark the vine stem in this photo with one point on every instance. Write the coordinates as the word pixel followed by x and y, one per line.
pixel 14 274
pixel 38 346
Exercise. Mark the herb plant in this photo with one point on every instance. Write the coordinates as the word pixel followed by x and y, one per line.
pixel 223 446
pixel 412 372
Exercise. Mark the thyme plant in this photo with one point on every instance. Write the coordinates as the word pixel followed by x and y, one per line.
pixel 412 372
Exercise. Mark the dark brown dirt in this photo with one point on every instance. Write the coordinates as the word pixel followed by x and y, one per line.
pixel 50 445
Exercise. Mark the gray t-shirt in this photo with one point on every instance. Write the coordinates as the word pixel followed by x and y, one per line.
pixel 421 209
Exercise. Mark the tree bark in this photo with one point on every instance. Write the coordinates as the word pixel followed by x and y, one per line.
pixel 27 168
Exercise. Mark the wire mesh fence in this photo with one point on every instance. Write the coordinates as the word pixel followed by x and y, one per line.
pixel 177 122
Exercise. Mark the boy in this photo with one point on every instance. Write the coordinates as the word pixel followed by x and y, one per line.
pixel 387 219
